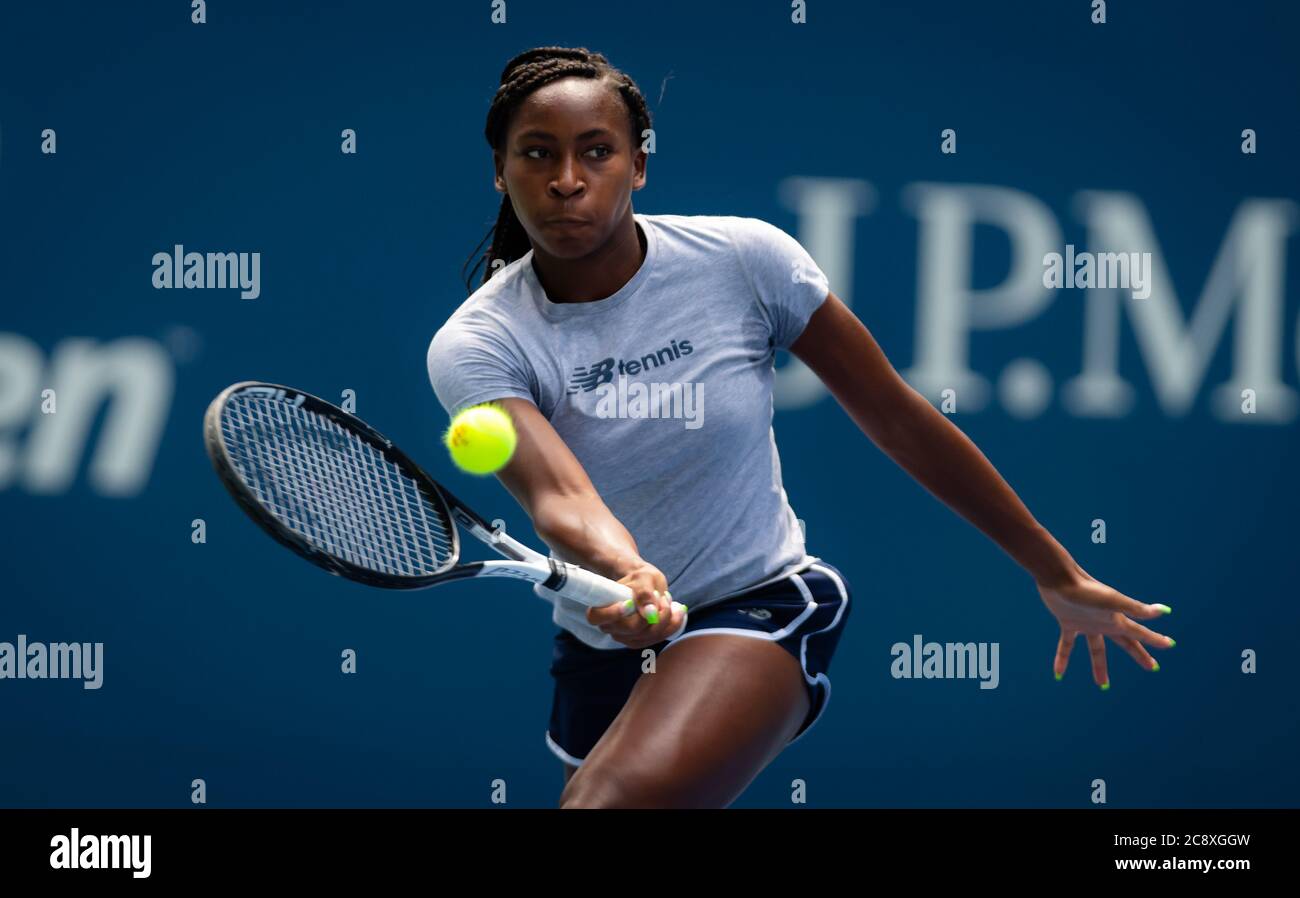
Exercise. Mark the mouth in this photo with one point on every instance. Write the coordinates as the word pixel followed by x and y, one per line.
pixel 566 222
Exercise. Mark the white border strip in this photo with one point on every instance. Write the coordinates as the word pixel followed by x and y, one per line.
pixel 803 647
pixel 561 753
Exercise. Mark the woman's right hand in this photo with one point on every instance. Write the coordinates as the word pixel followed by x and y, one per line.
pixel 651 600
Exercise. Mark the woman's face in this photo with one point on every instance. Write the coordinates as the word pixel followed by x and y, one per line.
pixel 569 154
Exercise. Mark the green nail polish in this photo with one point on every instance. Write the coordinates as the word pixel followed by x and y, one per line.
pixel 652 616
pixel 1105 686
pixel 1166 609
pixel 684 609
pixel 1156 667
pixel 629 604
pixel 1172 643
pixel 1058 677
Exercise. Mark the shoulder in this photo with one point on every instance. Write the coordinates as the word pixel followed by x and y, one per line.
pixel 754 236
pixel 729 228
pixel 476 354
pixel 750 243
pixel 487 313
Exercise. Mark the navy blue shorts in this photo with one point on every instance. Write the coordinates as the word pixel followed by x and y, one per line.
pixel 804 613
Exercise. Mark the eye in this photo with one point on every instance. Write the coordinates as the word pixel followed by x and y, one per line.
pixel 606 151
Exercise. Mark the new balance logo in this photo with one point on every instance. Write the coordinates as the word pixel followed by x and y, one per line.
pixel 587 378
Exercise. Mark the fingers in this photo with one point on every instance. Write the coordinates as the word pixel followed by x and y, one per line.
pixel 1140 655
pixel 646 601
pixel 669 623
pixel 635 632
pixel 1133 608
pixel 649 588
pixel 624 620
pixel 1150 637
pixel 680 612
pixel 605 615
pixel 646 618
pixel 1063 652
pixel 1097 652
pixel 657 610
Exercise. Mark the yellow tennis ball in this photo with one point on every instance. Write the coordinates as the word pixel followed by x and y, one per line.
pixel 481 439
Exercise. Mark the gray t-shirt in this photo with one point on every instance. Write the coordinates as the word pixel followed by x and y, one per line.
pixel 663 391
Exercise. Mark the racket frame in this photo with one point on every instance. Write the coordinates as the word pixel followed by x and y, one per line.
pixel 522 562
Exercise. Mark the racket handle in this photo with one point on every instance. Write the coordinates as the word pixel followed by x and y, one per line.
pixel 583 586
pixel 592 589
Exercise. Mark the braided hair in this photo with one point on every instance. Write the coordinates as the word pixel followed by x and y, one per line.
pixel 522 75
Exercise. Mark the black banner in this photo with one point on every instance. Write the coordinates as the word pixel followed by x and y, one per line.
pixel 211 846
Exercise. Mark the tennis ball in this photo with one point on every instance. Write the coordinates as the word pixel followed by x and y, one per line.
pixel 481 439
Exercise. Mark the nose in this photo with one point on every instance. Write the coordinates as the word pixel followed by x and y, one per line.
pixel 567 180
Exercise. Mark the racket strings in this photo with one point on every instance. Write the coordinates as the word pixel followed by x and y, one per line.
pixel 334 489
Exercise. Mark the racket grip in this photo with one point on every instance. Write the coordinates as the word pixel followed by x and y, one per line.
pixel 583 586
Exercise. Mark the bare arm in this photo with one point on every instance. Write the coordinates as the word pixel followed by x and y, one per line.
pixel 553 488
pixel 837 346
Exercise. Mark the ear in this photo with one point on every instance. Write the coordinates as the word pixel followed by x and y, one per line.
pixel 499 179
pixel 639 164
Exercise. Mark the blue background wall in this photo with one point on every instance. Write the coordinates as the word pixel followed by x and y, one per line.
pixel 222 659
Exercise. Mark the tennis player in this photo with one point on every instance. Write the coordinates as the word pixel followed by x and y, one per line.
pixel 635 355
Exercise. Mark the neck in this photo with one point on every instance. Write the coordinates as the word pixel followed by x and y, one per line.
pixel 598 275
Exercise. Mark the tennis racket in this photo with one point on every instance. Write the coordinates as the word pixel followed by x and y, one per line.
pixel 328 486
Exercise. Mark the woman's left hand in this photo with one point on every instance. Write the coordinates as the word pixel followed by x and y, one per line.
pixel 1084 605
